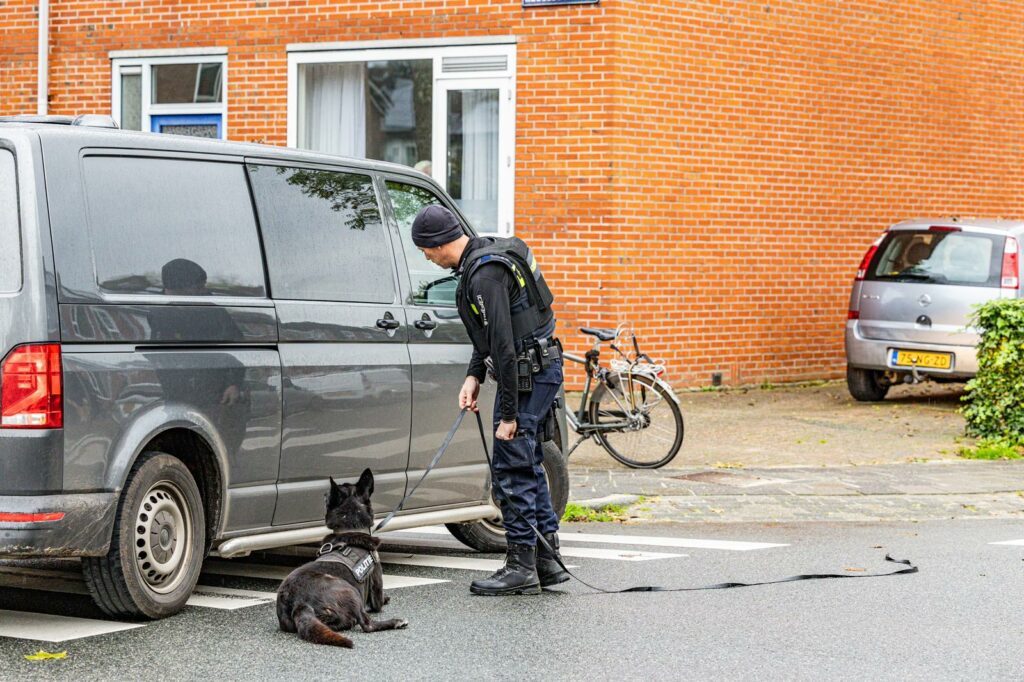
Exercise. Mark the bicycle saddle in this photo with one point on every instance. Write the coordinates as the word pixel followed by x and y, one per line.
pixel 603 334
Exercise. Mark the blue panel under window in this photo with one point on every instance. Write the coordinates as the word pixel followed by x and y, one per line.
pixel 195 125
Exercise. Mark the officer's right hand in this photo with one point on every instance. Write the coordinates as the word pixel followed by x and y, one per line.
pixel 468 394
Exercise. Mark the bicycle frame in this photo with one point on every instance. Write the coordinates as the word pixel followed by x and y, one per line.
pixel 633 367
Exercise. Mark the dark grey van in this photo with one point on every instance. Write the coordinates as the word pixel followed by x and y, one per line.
pixel 195 334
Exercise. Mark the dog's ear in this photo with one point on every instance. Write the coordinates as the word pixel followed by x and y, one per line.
pixel 334 496
pixel 365 485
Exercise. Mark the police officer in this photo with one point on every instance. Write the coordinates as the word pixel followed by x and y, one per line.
pixel 506 307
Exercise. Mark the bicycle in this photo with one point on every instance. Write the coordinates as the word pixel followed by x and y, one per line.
pixel 623 413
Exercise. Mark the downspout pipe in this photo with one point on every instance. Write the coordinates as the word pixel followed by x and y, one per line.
pixel 43 91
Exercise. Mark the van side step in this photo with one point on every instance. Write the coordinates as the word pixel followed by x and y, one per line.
pixel 298 536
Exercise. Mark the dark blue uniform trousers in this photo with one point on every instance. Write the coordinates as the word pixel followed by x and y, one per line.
pixel 518 462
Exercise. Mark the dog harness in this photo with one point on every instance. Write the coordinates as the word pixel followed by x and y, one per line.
pixel 355 551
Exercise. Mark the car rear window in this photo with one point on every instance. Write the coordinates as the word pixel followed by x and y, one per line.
pixel 939 257
pixel 10 235
pixel 179 227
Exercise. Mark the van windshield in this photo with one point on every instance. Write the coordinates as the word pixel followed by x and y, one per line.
pixel 10 237
pixel 939 257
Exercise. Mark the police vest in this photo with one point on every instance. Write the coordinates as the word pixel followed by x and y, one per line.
pixel 530 307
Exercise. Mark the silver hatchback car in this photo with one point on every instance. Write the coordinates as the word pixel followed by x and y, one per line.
pixel 915 291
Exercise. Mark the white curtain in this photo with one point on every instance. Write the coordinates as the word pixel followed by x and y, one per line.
pixel 334 109
pixel 480 157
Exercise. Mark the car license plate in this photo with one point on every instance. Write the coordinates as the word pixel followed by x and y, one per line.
pixel 913 358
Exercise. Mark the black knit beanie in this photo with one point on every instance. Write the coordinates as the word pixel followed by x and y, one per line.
pixel 435 225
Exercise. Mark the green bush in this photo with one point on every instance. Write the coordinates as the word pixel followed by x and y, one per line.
pixel 994 403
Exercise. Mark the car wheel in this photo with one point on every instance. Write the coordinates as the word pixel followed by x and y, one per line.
pixel 156 552
pixel 866 385
pixel 488 535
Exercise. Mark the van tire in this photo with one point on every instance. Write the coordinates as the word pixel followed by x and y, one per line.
pixel 159 511
pixel 487 535
pixel 866 385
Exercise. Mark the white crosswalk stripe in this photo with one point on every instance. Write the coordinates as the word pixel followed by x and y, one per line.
pixel 245 570
pixel 649 540
pixel 1008 542
pixel 615 554
pixel 49 628
pixel 68 578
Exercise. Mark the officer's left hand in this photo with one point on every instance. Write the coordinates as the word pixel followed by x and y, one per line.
pixel 506 430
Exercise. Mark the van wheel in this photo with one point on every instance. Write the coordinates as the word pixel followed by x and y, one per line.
pixel 488 535
pixel 866 385
pixel 156 552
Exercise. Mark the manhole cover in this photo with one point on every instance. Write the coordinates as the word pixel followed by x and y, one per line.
pixel 729 478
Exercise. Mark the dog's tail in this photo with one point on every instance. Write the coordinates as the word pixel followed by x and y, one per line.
pixel 312 629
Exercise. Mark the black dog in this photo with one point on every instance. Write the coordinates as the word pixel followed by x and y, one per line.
pixel 345 584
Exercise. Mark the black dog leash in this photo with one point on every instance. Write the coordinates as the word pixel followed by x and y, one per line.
pixel 437 458
pixel 910 568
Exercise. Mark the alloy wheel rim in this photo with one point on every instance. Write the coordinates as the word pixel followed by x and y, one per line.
pixel 163 537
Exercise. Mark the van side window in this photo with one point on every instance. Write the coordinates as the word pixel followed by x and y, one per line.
pixel 323 234
pixel 431 284
pixel 172 226
pixel 10 235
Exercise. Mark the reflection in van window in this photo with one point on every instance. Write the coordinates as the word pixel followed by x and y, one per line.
pixel 939 257
pixel 431 284
pixel 147 213
pixel 323 235
pixel 10 237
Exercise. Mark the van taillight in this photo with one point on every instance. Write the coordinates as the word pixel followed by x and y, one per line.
pixel 862 271
pixel 30 388
pixel 853 314
pixel 1011 259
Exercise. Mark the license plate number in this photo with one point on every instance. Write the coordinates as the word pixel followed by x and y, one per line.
pixel 913 358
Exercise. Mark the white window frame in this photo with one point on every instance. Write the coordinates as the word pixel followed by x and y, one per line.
pixel 143 64
pixel 504 80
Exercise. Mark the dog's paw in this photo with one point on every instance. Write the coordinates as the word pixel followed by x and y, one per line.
pixel 402 624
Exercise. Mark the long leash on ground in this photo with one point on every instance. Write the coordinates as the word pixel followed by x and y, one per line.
pixel 541 540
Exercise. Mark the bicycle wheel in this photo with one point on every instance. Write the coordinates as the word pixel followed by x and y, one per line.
pixel 643 424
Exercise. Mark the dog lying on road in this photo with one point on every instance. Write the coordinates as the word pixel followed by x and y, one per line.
pixel 344 584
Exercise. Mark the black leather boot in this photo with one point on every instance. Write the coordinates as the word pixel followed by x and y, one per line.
pixel 517 576
pixel 548 570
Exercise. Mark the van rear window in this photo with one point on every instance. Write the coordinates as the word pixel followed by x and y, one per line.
pixel 176 227
pixel 936 257
pixel 10 234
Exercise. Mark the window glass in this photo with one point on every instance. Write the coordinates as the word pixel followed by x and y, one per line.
pixel 431 284
pixel 186 83
pixel 324 236
pixel 376 110
pixel 172 226
pixel 939 257
pixel 131 101
pixel 10 234
pixel 473 163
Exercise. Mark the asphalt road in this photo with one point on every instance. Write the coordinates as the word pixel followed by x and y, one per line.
pixel 958 618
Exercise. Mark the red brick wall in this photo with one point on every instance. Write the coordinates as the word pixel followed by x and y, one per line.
pixel 18 49
pixel 711 171
pixel 761 146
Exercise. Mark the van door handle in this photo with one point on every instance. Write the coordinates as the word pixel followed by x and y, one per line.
pixel 388 323
pixel 425 324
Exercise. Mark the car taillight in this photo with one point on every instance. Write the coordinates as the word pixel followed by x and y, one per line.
pixel 30 388
pixel 18 517
pixel 862 271
pixel 853 315
pixel 1011 259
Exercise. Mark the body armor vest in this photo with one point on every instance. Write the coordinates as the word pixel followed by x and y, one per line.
pixel 531 304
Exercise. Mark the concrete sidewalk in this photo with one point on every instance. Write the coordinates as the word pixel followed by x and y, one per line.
pixel 810 453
